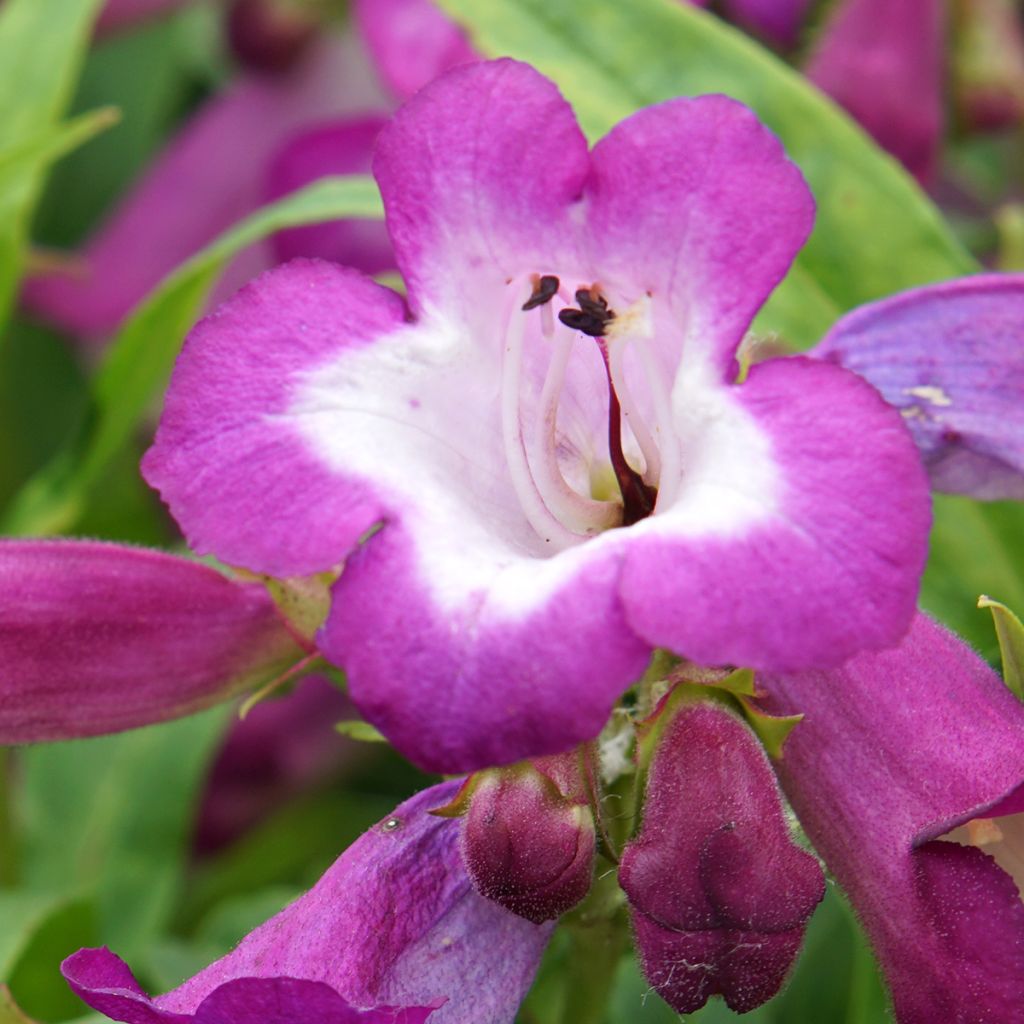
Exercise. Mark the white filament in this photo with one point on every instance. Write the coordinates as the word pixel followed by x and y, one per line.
pixel 670 476
pixel 631 412
pixel 537 513
pixel 583 515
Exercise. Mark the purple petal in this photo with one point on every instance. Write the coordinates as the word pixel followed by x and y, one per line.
pixel 694 202
pixel 210 175
pixel 342 147
pixel 412 41
pixel 779 21
pixel 474 200
pixel 106 984
pixel 949 357
pixel 95 638
pixel 395 922
pixel 719 893
pixel 290 517
pixel 883 61
pixel 290 1001
pixel 772 569
pixel 896 749
pixel 691 201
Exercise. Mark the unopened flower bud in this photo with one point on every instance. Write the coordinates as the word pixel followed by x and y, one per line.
pixel 719 893
pixel 528 835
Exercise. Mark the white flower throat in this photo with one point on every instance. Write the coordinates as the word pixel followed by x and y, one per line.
pixel 559 513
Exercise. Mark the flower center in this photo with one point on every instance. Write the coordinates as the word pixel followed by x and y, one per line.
pixel 558 512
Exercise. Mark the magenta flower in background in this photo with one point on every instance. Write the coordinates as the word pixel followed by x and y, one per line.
pixel 280 750
pixel 96 638
pixel 121 14
pixel 898 749
pixel 497 613
pixel 883 62
pixel 778 21
pixel 411 42
pixel 337 147
pixel 213 173
pixel 394 923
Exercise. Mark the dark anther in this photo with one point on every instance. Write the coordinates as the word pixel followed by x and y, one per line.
pixel 544 290
pixel 592 317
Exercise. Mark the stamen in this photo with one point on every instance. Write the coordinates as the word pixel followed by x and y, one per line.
pixel 544 290
pixel 581 513
pixel 593 316
pixel 668 444
pixel 634 418
pixel 539 516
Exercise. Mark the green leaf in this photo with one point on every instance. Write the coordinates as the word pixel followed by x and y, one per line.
pixel 23 913
pixel 359 730
pixel 41 47
pixel 1011 643
pixel 113 816
pixel 875 233
pixel 48 146
pixel 139 362
pixel 35 981
pixel 975 549
pixel 291 848
pixel 146 74
pixel 9 1012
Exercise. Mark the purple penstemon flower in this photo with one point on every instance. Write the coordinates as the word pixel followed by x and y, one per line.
pixel 542 467
pixel 905 771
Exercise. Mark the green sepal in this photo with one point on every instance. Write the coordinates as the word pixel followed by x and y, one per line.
pixel 459 804
pixel 740 683
pixel 1010 632
pixel 771 730
pixel 303 600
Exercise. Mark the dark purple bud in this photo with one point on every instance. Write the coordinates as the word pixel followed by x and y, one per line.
pixel 528 836
pixel 719 893
pixel 271 35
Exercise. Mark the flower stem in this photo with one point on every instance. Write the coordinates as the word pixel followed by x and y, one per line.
pixel 598 933
pixel 8 840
